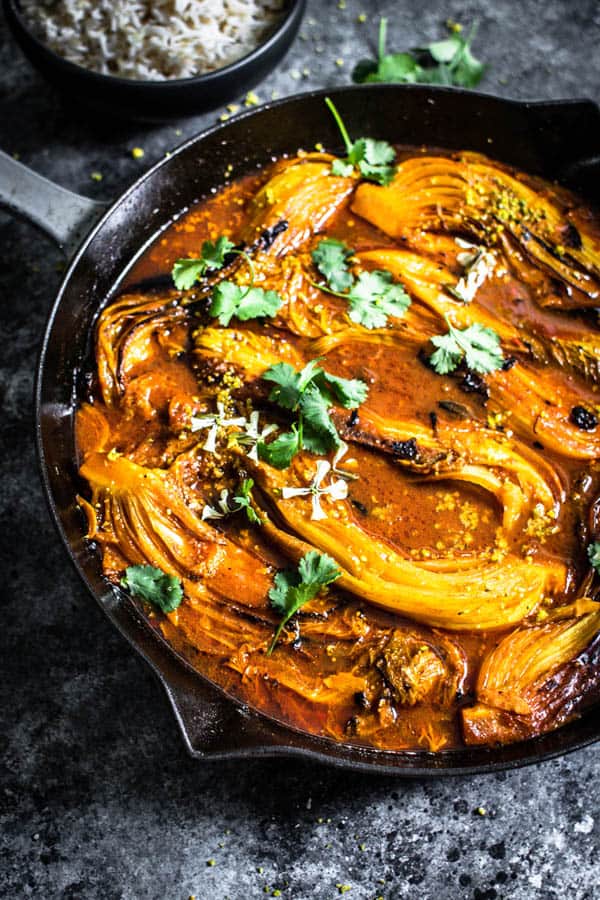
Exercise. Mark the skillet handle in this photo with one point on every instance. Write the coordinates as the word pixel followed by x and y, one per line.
pixel 213 727
pixel 64 216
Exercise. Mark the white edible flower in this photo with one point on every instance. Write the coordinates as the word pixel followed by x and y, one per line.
pixel 252 435
pixel 478 264
pixel 337 490
pixel 214 423
pixel 209 512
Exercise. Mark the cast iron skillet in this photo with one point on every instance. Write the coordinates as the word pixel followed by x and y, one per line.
pixel 556 140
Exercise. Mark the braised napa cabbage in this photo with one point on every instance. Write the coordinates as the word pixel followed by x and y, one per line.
pixel 376 488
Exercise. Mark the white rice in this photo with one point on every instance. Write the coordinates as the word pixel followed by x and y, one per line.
pixel 152 39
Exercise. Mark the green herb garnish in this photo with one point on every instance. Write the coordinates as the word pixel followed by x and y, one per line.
pixel 226 507
pixel 331 259
pixel 310 393
pixel 478 345
pixel 186 272
pixel 374 160
pixel 449 61
pixel 593 552
pixel 372 297
pixel 155 586
pixel 280 452
pixel 243 501
pixel 293 588
pixel 228 298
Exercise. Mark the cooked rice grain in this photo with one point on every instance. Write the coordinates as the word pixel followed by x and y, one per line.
pixel 152 39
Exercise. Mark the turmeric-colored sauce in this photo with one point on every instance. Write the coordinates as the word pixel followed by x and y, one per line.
pixel 460 507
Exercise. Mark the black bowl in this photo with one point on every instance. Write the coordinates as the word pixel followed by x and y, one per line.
pixel 153 101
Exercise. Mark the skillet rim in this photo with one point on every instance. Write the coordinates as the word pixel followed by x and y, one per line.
pixel 266 736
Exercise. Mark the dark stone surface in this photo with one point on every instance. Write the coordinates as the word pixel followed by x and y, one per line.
pixel 98 799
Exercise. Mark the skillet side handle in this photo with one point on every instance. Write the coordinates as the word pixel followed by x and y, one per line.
pixel 213 727
pixel 64 216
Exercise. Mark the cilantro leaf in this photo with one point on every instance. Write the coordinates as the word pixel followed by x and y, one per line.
pixel 374 297
pixel 448 355
pixel 374 160
pixel 349 392
pixel 341 168
pixel 293 588
pixel 315 411
pixel 455 57
pixel 319 442
pixel 257 302
pixel 229 300
pixel 478 345
pixel 593 552
pixel 287 381
pixel 212 256
pixel 278 594
pixel 186 272
pixel 290 383
pixel 318 568
pixel 394 67
pixel 449 61
pixel 243 501
pixel 155 586
pixel 280 452
pixel 331 259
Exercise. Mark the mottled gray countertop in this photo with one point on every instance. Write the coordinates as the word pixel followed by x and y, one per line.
pixel 98 798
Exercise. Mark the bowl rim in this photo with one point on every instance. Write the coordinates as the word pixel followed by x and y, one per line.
pixel 288 18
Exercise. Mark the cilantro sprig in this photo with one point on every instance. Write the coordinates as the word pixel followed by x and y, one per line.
pixel 371 297
pixel 374 160
pixel 310 393
pixel 229 299
pixel 449 61
pixel 186 272
pixel 227 507
pixel 243 500
pixel 155 586
pixel 477 345
pixel 293 588
pixel 331 259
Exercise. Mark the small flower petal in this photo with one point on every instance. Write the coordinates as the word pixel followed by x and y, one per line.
pixel 211 441
pixel 317 510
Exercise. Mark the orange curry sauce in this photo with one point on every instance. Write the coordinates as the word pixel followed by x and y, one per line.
pixel 466 610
